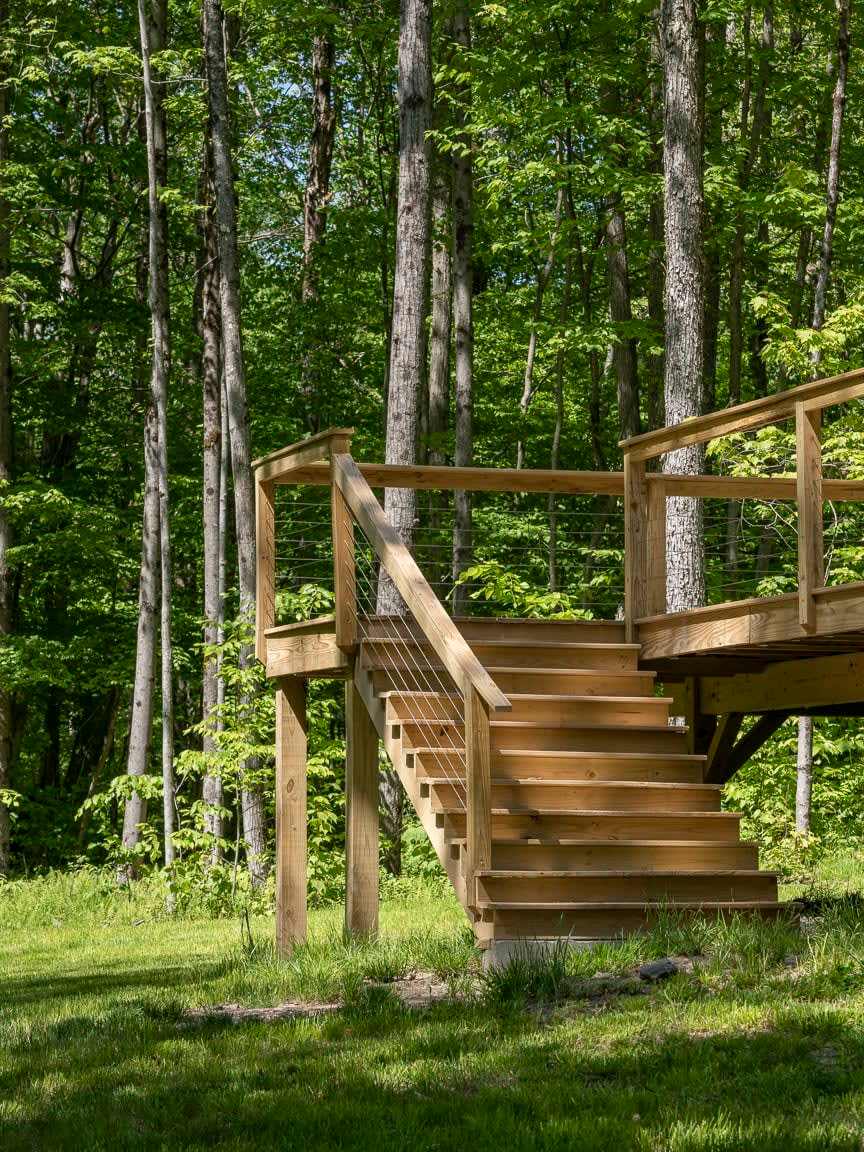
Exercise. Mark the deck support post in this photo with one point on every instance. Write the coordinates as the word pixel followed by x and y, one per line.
pixel 811 556
pixel 478 764
pixel 290 813
pixel 361 817
pixel 265 564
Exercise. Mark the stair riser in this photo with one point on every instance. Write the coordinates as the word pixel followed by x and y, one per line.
pixel 577 768
pixel 506 655
pixel 710 828
pixel 553 798
pixel 560 683
pixel 591 924
pixel 548 738
pixel 538 631
pixel 666 857
pixel 651 710
pixel 627 889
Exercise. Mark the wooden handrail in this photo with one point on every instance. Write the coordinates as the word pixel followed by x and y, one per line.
pixel 753 414
pixel 566 483
pixel 278 465
pixel 437 627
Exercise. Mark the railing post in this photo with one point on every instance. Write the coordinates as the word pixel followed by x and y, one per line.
pixel 344 572
pixel 635 543
pixel 811 560
pixel 290 813
pixel 361 817
pixel 655 548
pixel 478 771
pixel 265 564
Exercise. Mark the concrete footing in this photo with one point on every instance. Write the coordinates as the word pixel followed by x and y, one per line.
pixel 500 953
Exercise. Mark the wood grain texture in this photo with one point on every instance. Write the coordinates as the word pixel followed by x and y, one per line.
pixel 635 545
pixel 307 648
pixel 787 685
pixel 811 561
pixel 265 565
pixel 302 452
pixel 290 814
pixel 344 571
pixel 478 759
pixel 361 817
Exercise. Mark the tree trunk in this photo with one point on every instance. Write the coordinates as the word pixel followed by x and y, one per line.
pixel 441 299
pixel 235 382
pixel 6 702
pixel 655 288
pixel 624 354
pixel 463 305
pixel 153 19
pixel 315 201
pixel 685 314
pixel 408 342
pixel 211 379
pixel 804 765
pixel 826 252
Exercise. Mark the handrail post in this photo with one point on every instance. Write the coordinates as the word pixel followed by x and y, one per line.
pixel 265 564
pixel 344 567
pixel 478 779
pixel 808 467
pixel 655 547
pixel 635 543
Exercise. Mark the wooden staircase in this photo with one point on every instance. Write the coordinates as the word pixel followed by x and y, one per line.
pixel 599 816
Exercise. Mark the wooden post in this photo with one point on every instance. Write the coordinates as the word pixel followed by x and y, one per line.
pixel 811 561
pixel 635 543
pixel 290 813
pixel 655 549
pixel 361 817
pixel 344 572
pixel 265 567
pixel 478 763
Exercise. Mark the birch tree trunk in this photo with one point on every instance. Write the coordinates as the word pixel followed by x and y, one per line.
pixel 235 384
pixel 440 306
pixel 410 278
pixel 463 305
pixel 211 373
pixel 6 717
pixel 685 316
pixel 826 252
pixel 315 199
pixel 153 19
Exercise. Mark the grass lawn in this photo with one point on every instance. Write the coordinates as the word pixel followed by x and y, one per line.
pixel 747 1051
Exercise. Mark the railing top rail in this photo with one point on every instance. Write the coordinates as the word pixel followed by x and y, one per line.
pixel 440 631
pixel 746 417
pixel 293 457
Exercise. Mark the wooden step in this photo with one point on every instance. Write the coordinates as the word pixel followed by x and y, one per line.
pixel 562 682
pixel 586 887
pixel 539 709
pixel 510 734
pixel 523 763
pixel 648 855
pixel 610 824
pixel 394 653
pixel 478 628
pixel 506 921
pixel 448 792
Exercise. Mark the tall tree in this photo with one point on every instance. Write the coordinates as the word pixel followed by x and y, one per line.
pixel 804 786
pixel 233 368
pixel 315 202
pixel 407 341
pixel 463 300
pixel 682 38
pixel 6 712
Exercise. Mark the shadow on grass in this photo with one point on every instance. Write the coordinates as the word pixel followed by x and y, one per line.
pixel 453 1076
pixel 39 989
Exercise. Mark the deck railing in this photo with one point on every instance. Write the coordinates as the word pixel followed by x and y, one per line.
pixel 645 493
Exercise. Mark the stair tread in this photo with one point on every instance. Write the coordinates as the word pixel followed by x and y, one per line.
pixel 603 673
pixel 675 757
pixel 582 842
pixel 545 782
pixel 534 696
pixel 574 726
pixel 593 874
pixel 653 814
pixel 513 642
pixel 578 906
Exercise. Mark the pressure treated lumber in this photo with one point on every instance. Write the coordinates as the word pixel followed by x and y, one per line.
pixel 811 560
pixel 291 851
pixel 361 817
pixel 787 686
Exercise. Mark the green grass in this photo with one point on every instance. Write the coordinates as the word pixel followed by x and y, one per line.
pixel 744 1052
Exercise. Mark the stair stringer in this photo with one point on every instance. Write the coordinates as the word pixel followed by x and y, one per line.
pixel 450 862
